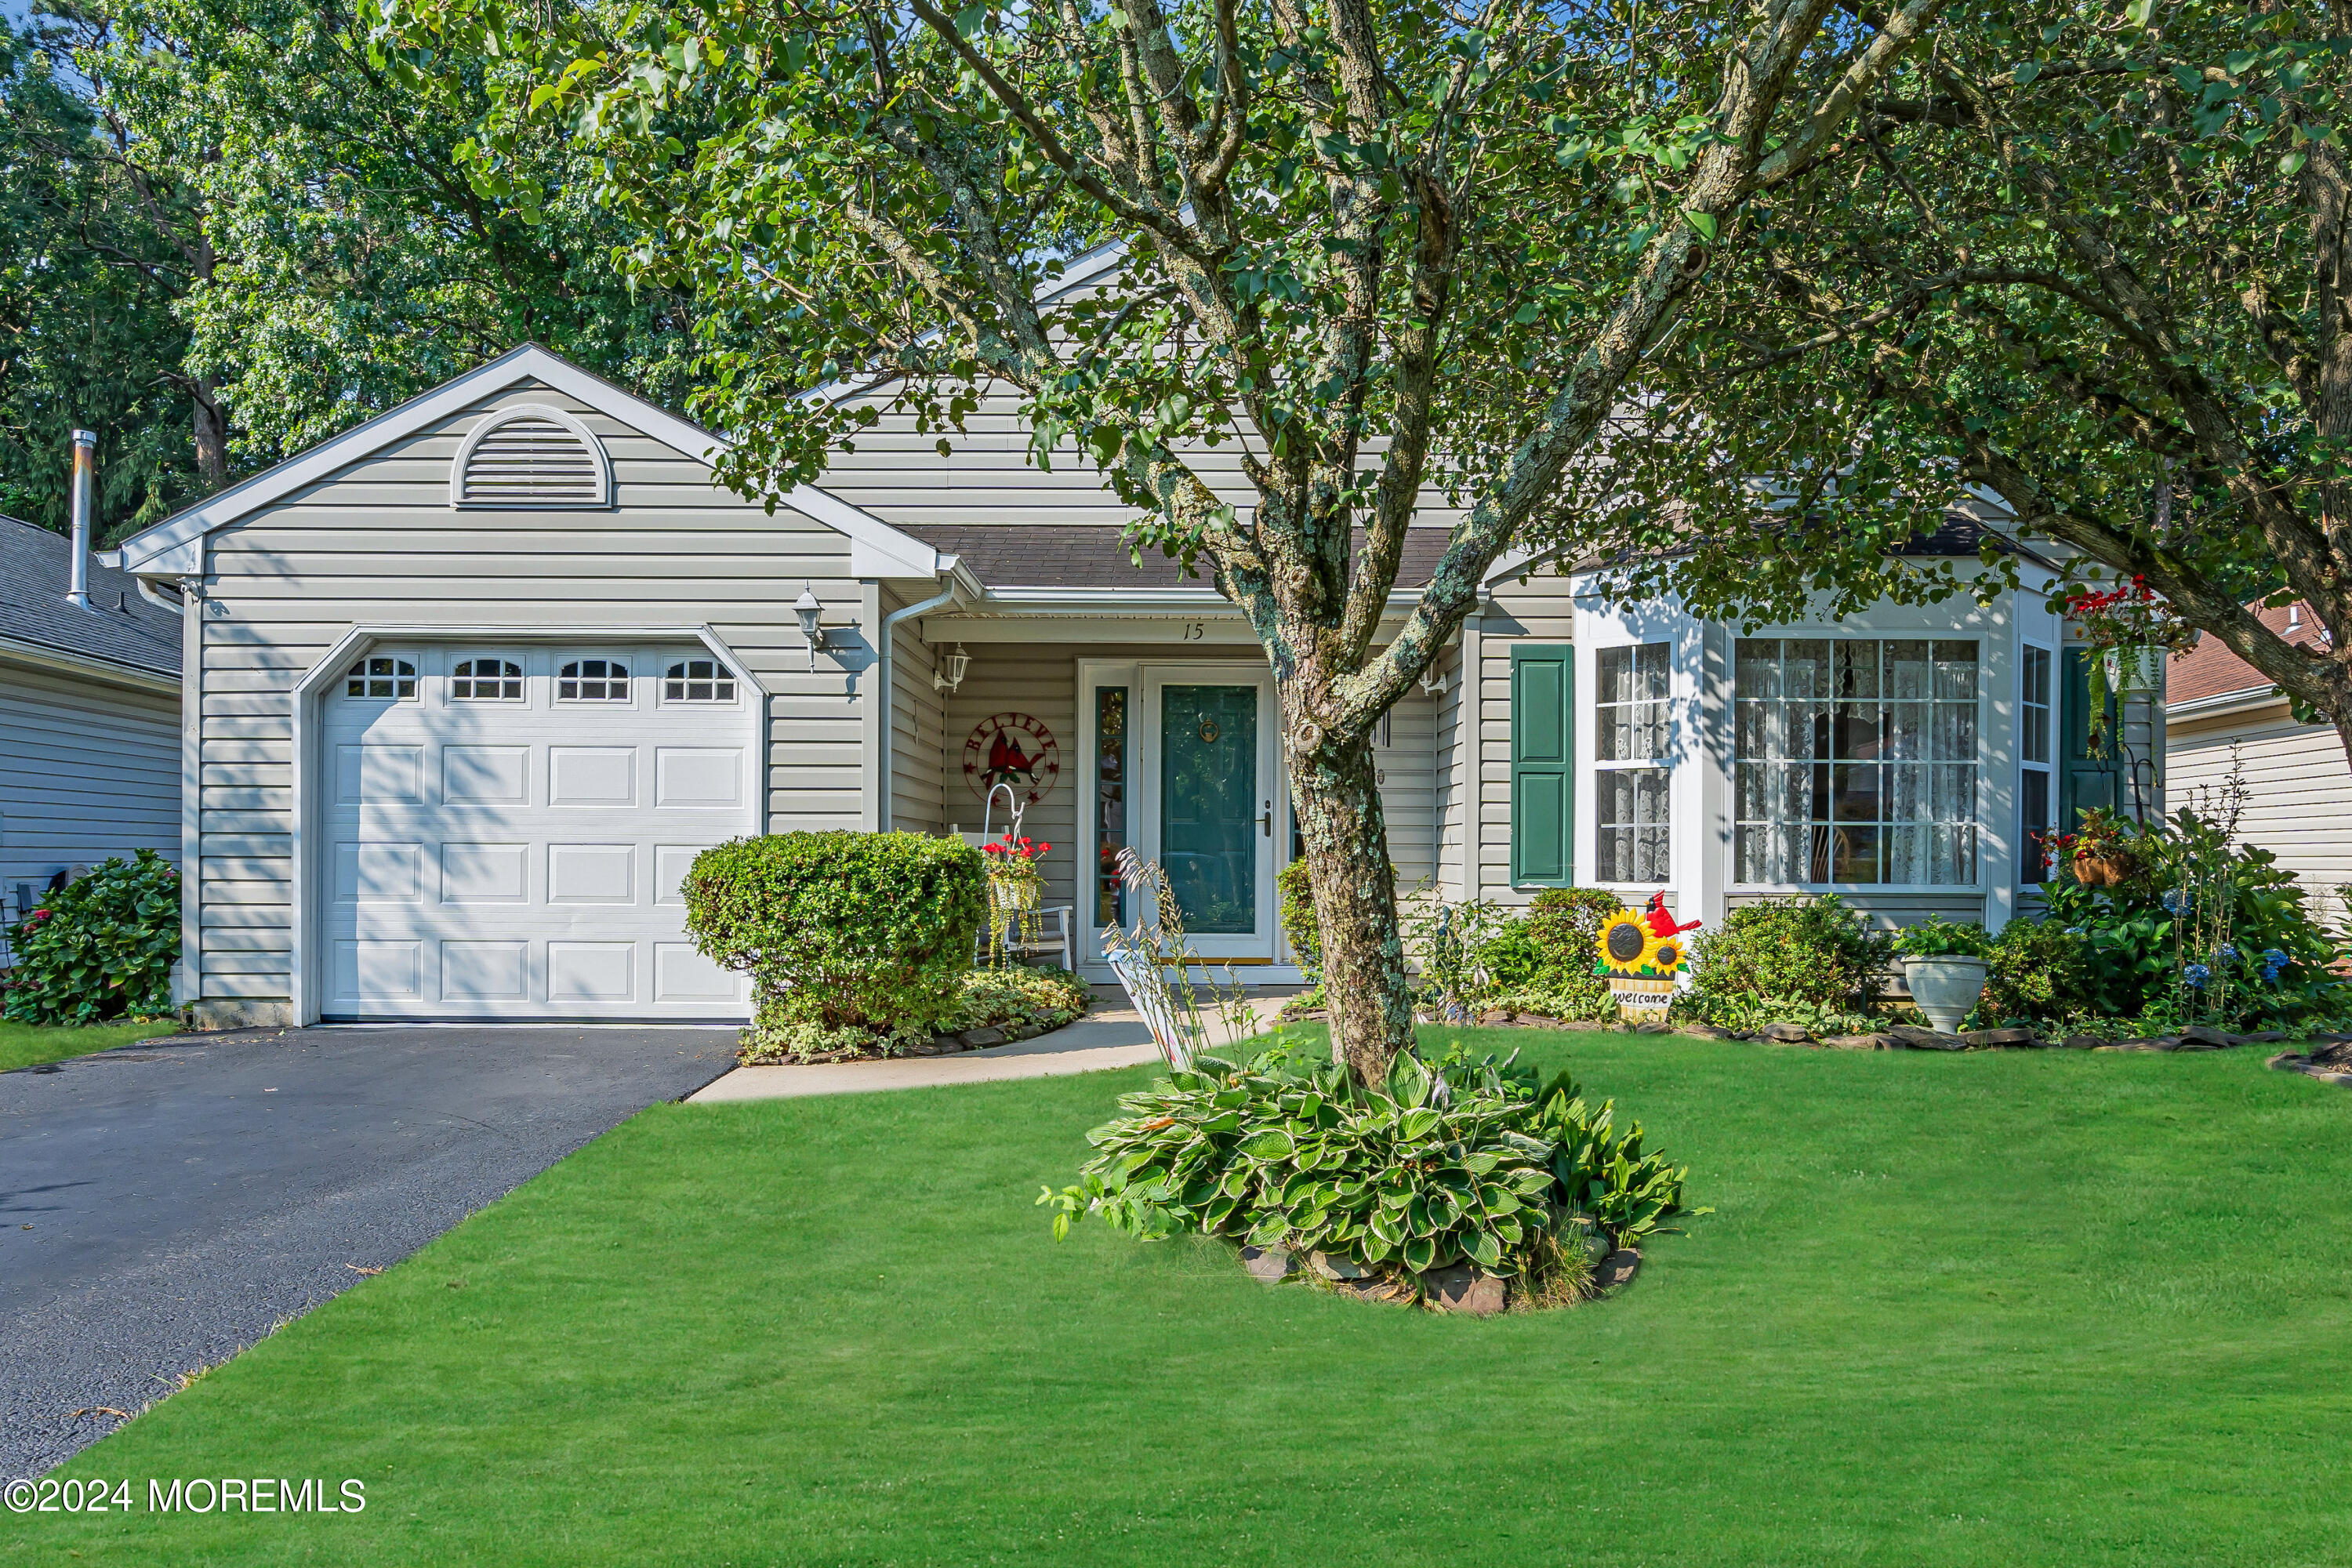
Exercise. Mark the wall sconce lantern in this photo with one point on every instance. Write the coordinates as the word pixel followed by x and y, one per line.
pixel 950 676
pixel 810 613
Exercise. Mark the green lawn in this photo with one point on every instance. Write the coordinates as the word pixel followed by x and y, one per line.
pixel 2000 1309
pixel 26 1045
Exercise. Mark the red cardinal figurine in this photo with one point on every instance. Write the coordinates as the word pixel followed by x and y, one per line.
pixel 1661 921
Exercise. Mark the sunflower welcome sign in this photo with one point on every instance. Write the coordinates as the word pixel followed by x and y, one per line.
pixel 1641 952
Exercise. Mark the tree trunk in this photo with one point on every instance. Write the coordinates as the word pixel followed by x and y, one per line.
pixel 211 434
pixel 1335 794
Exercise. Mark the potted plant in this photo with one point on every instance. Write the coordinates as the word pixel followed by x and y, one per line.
pixel 1944 963
pixel 2101 853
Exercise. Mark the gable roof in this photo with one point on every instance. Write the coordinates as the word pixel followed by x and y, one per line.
pixel 119 628
pixel 878 550
pixel 2210 670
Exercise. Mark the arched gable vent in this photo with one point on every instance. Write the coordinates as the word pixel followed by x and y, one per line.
pixel 530 456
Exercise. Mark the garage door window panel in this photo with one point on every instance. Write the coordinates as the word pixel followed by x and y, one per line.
pixel 697 680
pixel 593 680
pixel 482 679
pixel 382 677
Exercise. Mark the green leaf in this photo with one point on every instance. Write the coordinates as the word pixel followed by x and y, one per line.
pixel 1272 1143
pixel 1702 224
pixel 1482 1246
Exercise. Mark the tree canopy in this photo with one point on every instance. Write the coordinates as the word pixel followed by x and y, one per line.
pixel 1397 252
pixel 2097 266
pixel 241 236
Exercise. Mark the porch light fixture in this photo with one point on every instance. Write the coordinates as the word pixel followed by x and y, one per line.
pixel 810 613
pixel 950 676
pixel 1432 680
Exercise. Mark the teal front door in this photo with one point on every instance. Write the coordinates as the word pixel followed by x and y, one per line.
pixel 1216 810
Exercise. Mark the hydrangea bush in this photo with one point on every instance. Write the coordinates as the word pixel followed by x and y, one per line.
pixel 100 947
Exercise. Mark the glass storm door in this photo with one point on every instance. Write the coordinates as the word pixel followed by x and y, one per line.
pixel 1215 813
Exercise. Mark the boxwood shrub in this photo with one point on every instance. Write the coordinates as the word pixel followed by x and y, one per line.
pixel 100 947
pixel 846 936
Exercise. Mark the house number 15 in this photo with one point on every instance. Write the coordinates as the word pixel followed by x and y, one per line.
pixel 1194 630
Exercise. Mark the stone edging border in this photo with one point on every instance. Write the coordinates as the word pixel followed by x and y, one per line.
pixel 2330 1064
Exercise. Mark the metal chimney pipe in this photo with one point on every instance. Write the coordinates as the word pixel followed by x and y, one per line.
pixel 85 489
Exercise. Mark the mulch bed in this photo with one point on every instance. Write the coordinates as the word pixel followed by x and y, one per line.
pixel 2330 1059
pixel 937 1045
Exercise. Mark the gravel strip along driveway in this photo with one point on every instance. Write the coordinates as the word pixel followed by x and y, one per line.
pixel 162 1205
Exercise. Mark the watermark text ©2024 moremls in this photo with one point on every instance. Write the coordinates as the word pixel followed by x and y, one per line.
pixel 201 1494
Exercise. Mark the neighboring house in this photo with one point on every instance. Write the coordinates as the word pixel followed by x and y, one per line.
pixel 90 717
pixel 479 678
pixel 2222 717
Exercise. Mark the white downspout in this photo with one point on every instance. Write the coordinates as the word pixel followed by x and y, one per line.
pixel 883 689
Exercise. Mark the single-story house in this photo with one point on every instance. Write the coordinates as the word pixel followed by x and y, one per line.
pixel 479 677
pixel 90 717
pixel 2222 719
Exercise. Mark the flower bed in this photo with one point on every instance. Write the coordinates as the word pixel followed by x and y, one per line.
pixel 998 1005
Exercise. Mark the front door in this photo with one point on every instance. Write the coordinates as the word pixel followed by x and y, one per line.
pixel 1216 789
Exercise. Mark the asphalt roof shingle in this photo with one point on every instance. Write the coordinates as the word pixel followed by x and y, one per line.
pixel 119 628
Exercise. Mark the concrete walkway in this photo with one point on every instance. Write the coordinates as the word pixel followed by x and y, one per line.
pixel 1104 1040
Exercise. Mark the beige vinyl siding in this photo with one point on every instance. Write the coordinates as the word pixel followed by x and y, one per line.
pixel 379 543
pixel 1449 774
pixel 1887 910
pixel 2299 801
pixel 896 472
pixel 918 733
pixel 1042 681
pixel 89 772
pixel 1411 770
pixel 1541 610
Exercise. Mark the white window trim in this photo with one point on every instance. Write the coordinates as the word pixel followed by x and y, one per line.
pixel 555 681
pixel 662 699
pixel 469 655
pixel 598 459
pixel 358 670
pixel 1665 765
pixel 1981 761
pixel 2047 767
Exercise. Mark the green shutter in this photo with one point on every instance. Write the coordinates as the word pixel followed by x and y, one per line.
pixel 2085 781
pixel 1543 751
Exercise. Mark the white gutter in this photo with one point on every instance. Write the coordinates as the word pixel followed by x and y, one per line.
pixel 2245 699
pixel 889 638
pixel 1140 601
pixel 43 655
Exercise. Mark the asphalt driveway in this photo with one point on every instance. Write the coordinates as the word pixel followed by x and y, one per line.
pixel 163 1205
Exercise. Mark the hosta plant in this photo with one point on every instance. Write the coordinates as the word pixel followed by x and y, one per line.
pixel 1460 1159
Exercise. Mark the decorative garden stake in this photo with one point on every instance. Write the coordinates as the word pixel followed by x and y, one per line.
pixel 1641 953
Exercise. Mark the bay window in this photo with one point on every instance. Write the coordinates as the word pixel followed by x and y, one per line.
pixel 1856 762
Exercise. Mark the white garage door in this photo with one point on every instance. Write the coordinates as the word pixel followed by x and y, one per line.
pixel 507 825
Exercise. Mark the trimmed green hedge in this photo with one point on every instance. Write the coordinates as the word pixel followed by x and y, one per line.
pixel 844 934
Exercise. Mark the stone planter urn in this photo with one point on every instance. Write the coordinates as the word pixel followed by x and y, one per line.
pixel 1945 987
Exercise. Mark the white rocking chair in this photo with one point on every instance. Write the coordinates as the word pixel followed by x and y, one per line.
pixel 1052 928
